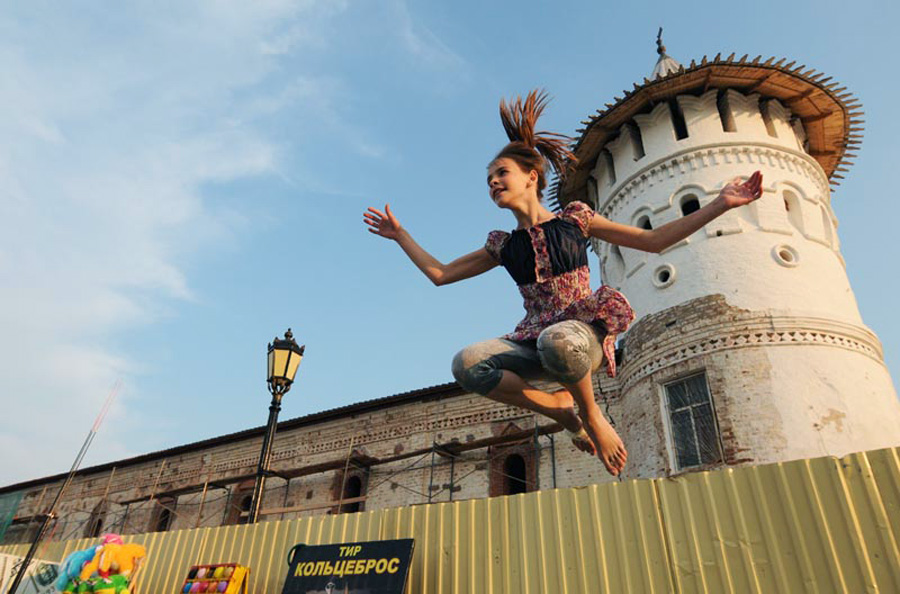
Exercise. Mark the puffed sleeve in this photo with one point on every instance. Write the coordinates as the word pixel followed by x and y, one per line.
pixel 580 214
pixel 495 242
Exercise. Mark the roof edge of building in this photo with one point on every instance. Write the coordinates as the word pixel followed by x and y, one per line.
pixel 429 393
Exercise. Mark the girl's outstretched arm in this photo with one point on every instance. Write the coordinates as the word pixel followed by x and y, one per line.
pixel 734 194
pixel 386 225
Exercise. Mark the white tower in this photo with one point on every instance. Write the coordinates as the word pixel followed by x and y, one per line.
pixel 749 346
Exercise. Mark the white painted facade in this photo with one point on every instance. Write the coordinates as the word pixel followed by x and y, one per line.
pixel 798 373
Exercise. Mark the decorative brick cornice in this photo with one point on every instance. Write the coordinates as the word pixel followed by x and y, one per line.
pixel 767 331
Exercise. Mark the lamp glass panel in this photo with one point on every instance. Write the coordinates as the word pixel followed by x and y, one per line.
pixel 281 359
pixel 271 364
pixel 292 366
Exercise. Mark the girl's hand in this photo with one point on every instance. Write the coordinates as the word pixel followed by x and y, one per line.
pixel 382 223
pixel 736 194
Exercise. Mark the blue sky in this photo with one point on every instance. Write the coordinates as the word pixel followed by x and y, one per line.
pixel 180 182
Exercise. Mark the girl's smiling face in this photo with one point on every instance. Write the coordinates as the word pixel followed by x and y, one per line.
pixel 509 184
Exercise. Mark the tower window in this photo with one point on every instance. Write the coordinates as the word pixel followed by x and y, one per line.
pixel 692 419
pixel 636 140
pixel 725 113
pixel 644 223
pixel 610 165
pixel 681 131
pixel 767 117
pixel 593 192
pixel 689 204
pixel 794 209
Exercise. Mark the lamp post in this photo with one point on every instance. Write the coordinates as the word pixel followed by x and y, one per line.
pixel 284 358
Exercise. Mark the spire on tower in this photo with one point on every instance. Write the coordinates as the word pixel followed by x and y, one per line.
pixel 665 65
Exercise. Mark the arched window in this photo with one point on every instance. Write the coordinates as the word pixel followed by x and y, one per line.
pixel 96 527
pixel 794 209
pixel 163 520
pixel 164 514
pixel 244 508
pixel 515 475
pixel 644 222
pixel 513 470
pixel 96 521
pixel 689 204
pixel 238 503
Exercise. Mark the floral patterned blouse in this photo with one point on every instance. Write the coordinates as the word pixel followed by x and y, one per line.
pixel 549 263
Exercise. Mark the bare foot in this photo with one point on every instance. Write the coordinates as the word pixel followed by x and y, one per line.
pixel 572 423
pixel 612 451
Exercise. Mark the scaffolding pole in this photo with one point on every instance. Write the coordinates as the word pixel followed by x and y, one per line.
pixel 202 501
pixel 344 476
pixel 431 476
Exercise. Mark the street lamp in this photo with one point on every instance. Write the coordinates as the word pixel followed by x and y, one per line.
pixel 284 358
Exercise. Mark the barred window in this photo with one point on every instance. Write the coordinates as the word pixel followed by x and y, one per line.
pixel 692 419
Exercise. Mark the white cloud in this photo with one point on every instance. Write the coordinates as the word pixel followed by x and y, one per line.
pixel 115 119
pixel 112 123
pixel 422 43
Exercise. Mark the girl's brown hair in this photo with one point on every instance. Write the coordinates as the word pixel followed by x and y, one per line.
pixel 530 149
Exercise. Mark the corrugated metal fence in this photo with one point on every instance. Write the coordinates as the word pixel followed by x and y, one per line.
pixel 820 525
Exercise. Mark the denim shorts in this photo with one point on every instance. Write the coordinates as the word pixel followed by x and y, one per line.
pixel 564 352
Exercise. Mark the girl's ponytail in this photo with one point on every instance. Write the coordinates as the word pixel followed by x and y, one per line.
pixel 531 149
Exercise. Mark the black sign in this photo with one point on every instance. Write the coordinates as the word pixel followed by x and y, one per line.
pixel 377 567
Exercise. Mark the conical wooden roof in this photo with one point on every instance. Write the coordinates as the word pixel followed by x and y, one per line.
pixel 830 114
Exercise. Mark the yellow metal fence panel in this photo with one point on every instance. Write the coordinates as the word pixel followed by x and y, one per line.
pixel 820 525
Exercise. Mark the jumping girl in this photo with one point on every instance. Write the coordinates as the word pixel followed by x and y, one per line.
pixel 568 331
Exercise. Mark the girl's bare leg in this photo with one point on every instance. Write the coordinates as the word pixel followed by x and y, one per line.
pixel 610 448
pixel 558 406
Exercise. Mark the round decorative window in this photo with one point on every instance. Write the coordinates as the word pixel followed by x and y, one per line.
pixel 664 276
pixel 786 255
